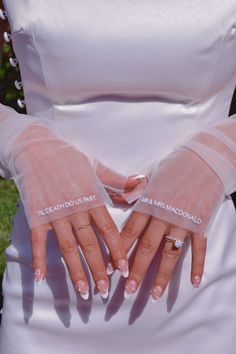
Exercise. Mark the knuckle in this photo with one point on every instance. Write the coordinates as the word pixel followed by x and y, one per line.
pixel 89 244
pixel 201 247
pixel 108 228
pixel 201 250
pixel 128 232
pixel 35 238
pixel 68 246
pixel 147 246
pixel 170 254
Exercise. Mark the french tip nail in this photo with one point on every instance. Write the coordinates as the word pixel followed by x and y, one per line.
pixel 105 295
pixel 195 288
pixel 110 269
pixel 85 296
pixel 38 276
pixel 126 295
pixel 153 300
pixel 139 177
pixel 125 274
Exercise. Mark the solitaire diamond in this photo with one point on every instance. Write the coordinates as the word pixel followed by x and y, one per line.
pixel 178 243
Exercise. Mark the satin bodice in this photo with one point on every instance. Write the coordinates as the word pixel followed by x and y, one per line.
pixel 126 81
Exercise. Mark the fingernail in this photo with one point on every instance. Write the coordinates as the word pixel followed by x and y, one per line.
pixel 123 267
pixel 110 269
pixel 196 282
pixel 38 276
pixel 156 293
pixel 139 177
pixel 103 288
pixel 83 289
pixel 130 288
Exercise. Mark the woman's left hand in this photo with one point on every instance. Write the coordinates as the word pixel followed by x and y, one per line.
pixel 181 199
pixel 148 246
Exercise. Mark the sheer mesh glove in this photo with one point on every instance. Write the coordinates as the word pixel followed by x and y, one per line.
pixel 54 178
pixel 182 191
pixel 188 186
pixel 217 146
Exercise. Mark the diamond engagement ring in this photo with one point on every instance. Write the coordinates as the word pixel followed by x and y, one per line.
pixel 177 242
pixel 83 226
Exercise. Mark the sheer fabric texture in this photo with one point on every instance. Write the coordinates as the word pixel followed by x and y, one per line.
pixel 188 186
pixel 217 146
pixel 55 179
pixel 127 84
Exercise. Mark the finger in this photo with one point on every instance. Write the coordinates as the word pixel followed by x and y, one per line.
pixel 38 242
pixel 129 196
pixel 134 182
pixel 89 244
pixel 147 248
pixel 199 243
pixel 111 236
pixel 69 250
pixel 118 198
pixel 170 256
pixel 130 232
pixel 132 229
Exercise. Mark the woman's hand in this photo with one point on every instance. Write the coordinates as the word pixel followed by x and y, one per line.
pixel 60 191
pixel 75 230
pixel 155 230
pixel 181 199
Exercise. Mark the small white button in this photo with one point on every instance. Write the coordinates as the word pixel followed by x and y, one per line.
pixel 7 36
pixel 18 84
pixel 13 62
pixel 21 103
pixel 3 14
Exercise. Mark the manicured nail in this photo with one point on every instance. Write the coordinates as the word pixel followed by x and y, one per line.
pixel 83 289
pixel 123 267
pixel 156 293
pixel 196 282
pixel 130 288
pixel 38 276
pixel 139 177
pixel 110 269
pixel 103 288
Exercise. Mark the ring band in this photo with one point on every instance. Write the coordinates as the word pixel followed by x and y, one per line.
pixel 83 226
pixel 177 242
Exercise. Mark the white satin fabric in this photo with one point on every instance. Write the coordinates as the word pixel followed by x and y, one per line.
pixel 126 81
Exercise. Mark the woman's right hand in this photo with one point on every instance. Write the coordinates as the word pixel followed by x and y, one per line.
pixel 74 230
pixel 60 191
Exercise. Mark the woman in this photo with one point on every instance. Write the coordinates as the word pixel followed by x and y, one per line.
pixel 114 91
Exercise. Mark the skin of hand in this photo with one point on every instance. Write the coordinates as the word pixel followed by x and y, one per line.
pixel 150 231
pixel 40 158
pixel 69 238
pixel 148 246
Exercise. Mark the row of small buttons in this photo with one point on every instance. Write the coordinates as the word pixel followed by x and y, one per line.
pixel 13 61
pixel 7 37
pixel 3 14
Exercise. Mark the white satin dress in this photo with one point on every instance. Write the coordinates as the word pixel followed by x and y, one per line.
pixel 127 81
